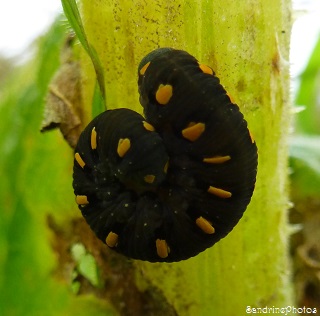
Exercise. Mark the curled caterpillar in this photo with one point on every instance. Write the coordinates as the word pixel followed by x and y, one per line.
pixel 166 187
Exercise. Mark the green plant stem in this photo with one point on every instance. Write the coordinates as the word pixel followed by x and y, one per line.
pixel 248 47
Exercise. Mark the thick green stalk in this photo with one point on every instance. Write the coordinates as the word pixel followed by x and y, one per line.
pixel 248 47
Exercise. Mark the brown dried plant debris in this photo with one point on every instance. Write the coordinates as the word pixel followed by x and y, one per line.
pixel 63 100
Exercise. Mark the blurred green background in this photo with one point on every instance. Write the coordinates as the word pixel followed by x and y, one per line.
pixel 305 183
pixel 28 284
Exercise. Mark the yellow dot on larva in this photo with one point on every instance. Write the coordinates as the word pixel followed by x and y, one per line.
pixel 123 146
pixel 82 200
pixel 148 126
pixel 251 137
pixel 231 98
pixel 149 178
pixel 216 159
pixel 220 192
pixel 93 139
pixel 205 225
pixel 194 131
pixel 112 239
pixel 166 166
pixel 162 248
pixel 206 69
pixel 79 160
pixel 164 94
pixel 144 68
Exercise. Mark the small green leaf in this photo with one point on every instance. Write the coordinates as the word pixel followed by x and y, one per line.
pixel 78 251
pixel 305 163
pixel 75 287
pixel 307 149
pixel 86 264
pixel 88 268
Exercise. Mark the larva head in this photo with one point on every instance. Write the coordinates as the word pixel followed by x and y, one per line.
pixel 163 78
pixel 145 62
pixel 141 163
pixel 122 142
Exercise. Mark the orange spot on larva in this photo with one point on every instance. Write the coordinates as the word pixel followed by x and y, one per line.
pixel 79 160
pixel 148 126
pixel 164 94
pixel 123 146
pixel 216 159
pixel 231 98
pixel 144 68
pixel 220 192
pixel 205 225
pixel 206 69
pixel 162 248
pixel 194 131
pixel 112 239
pixel 166 166
pixel 251 137
pixel 82 200
pixel 93 139
pixel 149 178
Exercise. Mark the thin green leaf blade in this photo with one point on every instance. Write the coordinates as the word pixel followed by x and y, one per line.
pixel 98 105
pixel 73 15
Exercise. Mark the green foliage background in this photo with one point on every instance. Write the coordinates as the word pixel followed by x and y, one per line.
pixel 305 183
pixel 27 261
pixel 305 143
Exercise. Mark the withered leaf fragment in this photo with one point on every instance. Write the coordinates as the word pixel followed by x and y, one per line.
pixel 63 100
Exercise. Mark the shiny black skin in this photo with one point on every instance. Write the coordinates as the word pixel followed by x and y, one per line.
pixel 168 209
